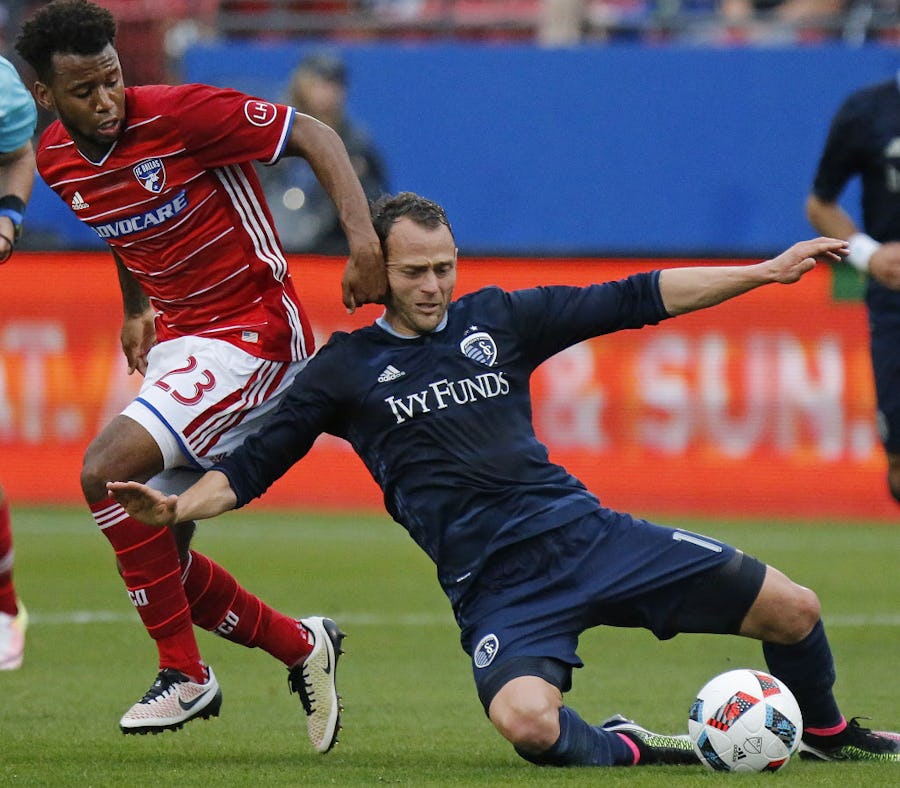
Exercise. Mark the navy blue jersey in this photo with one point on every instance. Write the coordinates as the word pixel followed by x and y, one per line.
pixel 864 141
pixel 443 421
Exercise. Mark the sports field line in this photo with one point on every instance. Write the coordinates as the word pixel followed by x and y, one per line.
pixel 403 620
pixel 354 619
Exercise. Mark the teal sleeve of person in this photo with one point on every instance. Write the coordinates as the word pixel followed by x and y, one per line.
pixel 18 119
pixel 18 115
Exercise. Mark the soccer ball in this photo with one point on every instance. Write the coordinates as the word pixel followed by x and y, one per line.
pixel 745 721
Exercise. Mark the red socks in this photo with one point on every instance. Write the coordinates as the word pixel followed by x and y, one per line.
pixel 7 589
pixel 170 598
pixel 148 560
pixel 220 605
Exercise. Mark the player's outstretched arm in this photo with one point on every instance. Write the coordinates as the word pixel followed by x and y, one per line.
pixel 209 496
pixel 688 289
pixel 365 278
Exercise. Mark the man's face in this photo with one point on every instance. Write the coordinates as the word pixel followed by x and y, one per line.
pixel 320 97
pixel 88 96
pixel 421 268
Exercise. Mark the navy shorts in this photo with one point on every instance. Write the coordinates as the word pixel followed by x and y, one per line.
pixel 534 599
pixel 884 332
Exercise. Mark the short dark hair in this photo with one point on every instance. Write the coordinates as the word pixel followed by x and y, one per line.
pixel 325 65
pixel 387 209
pixel 76 27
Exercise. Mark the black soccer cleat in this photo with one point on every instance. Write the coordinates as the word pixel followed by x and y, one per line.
pixel 656 749
pixel 854 743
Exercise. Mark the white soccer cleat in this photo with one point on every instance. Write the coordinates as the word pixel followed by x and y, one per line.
pixel 171 701
pixel 314 680
pixel 12 638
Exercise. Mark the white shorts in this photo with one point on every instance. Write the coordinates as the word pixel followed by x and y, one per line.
pixel 202 397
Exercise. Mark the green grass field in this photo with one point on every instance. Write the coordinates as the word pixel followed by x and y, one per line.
pixel 411 716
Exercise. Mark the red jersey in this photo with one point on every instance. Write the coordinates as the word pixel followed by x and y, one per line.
pixel 178 200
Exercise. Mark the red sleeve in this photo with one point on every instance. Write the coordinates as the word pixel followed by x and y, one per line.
pixel 222 126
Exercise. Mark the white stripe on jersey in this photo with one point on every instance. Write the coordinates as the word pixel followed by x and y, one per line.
pixel 254 219
pixel 77 180
pixel 213 286
pixel 183 260
pixel 682 536
pixel 112 170
pixel 285 130
pixel 299 341
pixel 119 208
pixel 131 126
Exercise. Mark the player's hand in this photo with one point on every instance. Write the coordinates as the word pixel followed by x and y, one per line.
pixel 802 257
pixel 137 337
pixel 365 278
pixel 884 265
pixel 144 503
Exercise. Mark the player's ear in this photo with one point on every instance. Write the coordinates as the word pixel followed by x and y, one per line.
pixel 43 96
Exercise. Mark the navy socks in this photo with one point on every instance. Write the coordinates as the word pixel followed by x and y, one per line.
pixel 580 744
pixel 807 668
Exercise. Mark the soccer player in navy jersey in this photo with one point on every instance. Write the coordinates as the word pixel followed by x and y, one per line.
pixel 434 397
pixel 212 320
pixel 864 142
pixel 18 117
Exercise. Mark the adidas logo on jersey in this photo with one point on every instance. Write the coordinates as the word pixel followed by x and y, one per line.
pixel 390 373
pixel 78 203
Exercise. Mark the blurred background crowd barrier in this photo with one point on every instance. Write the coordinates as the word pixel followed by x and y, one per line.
pixel 613 149
pixel 761 408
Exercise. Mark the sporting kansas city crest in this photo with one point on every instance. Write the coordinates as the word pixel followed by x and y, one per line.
pixel 151 174
pixel 479 346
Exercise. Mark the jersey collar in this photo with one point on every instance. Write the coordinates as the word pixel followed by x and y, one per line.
pixel 383 324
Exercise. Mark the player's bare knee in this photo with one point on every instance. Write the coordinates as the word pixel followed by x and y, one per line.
pixel 784 612
pixel 94 475
pixel 532 734
pixel 529 722
pixel 800 614
pixel 811 611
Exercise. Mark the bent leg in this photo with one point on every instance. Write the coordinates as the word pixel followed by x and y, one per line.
pixel 526 713
pixel 147 557
pixel 783 611
pixel 219 604
pixel 529 713
pixel 786 617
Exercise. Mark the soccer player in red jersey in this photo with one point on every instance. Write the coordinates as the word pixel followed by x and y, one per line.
pixel 164 175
